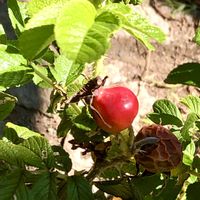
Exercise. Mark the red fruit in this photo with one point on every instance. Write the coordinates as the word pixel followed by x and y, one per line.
pixel 162 156
pixel 114 108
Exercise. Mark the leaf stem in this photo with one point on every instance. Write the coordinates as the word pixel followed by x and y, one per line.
pixel 42 76
pixel 50 82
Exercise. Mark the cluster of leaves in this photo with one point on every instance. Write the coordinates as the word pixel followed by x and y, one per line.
pixel 54 43
pixel 56 40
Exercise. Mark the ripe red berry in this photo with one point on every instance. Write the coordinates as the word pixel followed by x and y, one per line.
pixel 114 108
pixel 162 156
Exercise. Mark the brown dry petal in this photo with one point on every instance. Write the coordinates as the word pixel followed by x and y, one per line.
pixel 163 156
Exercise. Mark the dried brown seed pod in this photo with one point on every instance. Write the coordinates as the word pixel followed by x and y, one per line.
pixel 161 156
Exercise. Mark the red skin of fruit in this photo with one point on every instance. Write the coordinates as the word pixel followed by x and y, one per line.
pixel 163 156
pixel 114 108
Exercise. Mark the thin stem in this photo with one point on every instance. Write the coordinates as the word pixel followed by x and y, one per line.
pixel 50 82
pixel 75 107
pixel 45 78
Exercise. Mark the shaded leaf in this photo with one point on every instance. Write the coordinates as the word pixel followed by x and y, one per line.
pixel 188 154
pixel 7 103
pixel 45 187
pixel 120 188
pixel 62 159
pixel 40 147
pixel 148 184
pixel 17 155
pixel 78 188
pixel 193 103
pixel 13 5
pixel 84 121
pixel 169 190
pixel 192 192
pixel 33 41
pixel 12 184
pixel 187 74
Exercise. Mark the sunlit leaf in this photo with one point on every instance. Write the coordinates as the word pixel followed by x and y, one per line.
pixel 137 25
pixel 22 132
pixel 193 103
pixel 65 71
pixel 81 35
pixel 165 112
pixel 188 154
pixel 7 103
pixel 189 123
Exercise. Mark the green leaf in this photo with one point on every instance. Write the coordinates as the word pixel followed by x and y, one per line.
pixel 35 6
pixel 62 159
pixel 165 112
pixel 138 26
pixel 169 190
pixel 12 184
pixel 167 107
pixel 65 71
pixel 40 147
pixel 193 103
pixel 120 188
pixel 189 123
pixel 15 76
pixel 84 121
pixel 192 192
pixel 43 18
pixel 187 74
pixel 197 36
pixel 81 35
pixel 7 103
pixel 45 187
pixel 78 188
pixel 164 119
pixel 17 155
pixel 13 5
pixel 33 41
pixel 147 184
pixel 10 60
pixel 22 132
pixel 188 154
